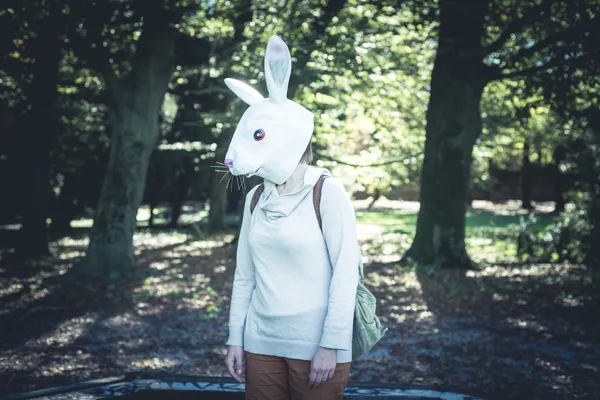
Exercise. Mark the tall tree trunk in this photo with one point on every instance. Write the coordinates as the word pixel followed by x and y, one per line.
pixel 592 259
pixel 181 191
pixel 68 203
pixel 560 153
pixel 151 206
pixel 40 128
pixel 593 250
pixel 151 190
pixel 453 126
pixel 135 130
pixel 526 178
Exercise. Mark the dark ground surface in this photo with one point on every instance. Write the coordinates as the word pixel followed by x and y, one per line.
pixel 518 332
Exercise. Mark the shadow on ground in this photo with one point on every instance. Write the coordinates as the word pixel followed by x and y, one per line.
pixel 510 332
pixel 169 318
pixel 501 333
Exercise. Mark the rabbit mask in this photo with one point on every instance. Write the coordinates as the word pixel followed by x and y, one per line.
pixel 273 133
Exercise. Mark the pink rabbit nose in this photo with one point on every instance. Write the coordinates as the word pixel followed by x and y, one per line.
pixel 228 162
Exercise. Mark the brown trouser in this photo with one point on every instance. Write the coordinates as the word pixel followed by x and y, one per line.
pixel 278 378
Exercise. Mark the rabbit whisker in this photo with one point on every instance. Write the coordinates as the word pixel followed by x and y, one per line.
pixel 222 178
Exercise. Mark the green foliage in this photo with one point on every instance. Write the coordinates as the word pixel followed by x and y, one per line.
pixel 371 108
pixel 566 240
pixel 362 68
pixel 572 238
pixel 367 109
pixel 525 107
pixel 366 80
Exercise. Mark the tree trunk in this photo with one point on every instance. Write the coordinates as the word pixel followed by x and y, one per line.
pixel 39 198
pixel 374 199
pixel 155 182
pixel 526 179
pixel 181 191
pixel 135 130
pixel 592 259
pixel 151 206
pixel 40 128
pixel 111 241
pixel 593 250
pixel 560 152
pixel 453 126
pixel 176 210
pixel 68 204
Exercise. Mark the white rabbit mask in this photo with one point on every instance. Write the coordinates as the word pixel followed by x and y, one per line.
pixel 273 133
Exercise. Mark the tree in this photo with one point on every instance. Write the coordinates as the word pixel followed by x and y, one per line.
pixel 593 254
pixel 573 96
pixel 40 127
pixel 453 125
pixel 135 92
pixel 34 66
pixel 370 95
pixel 480 42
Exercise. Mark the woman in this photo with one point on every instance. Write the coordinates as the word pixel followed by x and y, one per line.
pixel 295 282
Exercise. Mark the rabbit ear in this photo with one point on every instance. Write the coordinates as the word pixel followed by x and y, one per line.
pixel 278 67
pixel 244 91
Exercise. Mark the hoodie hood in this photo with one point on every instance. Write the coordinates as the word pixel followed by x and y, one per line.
pixel 276 206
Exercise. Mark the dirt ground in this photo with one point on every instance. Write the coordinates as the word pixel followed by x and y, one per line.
pixel 511 332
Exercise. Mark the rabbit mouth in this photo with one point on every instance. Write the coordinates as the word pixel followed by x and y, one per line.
pixel 251 174
pixel 237 171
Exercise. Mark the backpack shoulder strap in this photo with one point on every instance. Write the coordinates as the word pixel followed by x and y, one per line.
pixel 317 199
pixel 256 197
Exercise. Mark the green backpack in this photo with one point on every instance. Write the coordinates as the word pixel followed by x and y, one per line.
pixel 367 330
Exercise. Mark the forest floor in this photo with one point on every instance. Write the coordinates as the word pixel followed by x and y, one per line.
pixel 509 330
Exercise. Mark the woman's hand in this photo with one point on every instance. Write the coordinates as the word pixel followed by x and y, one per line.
pixel 322 367
pixel 235 363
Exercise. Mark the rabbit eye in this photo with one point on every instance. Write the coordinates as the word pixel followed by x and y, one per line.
pixel 259 135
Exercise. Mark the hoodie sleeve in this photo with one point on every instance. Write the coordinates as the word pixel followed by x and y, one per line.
pixel 339 231
pixel 243 281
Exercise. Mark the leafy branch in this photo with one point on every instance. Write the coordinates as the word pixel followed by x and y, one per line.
pixel 381 164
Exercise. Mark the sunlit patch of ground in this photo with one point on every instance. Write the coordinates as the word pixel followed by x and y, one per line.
pixel 511 207
pixel 506 331
pixel 491 230
pixel 192 212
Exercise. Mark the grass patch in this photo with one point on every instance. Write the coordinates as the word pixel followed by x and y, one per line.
pixel 390 221
pixel 491 236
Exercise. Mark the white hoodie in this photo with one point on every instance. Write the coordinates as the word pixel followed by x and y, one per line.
pixel 295 286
